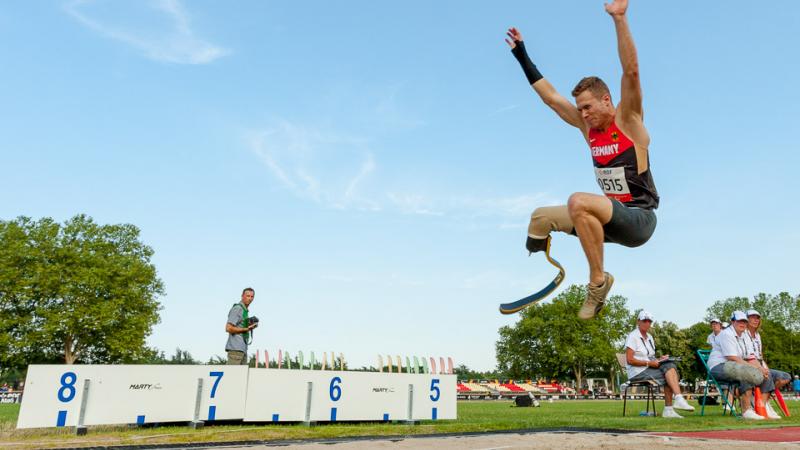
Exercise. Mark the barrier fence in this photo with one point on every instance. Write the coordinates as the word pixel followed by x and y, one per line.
pixel 83 395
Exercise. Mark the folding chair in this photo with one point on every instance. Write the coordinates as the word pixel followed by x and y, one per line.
pixel 722 387
pixel 650 385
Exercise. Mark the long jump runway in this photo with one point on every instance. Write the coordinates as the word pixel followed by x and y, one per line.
pixel 729 439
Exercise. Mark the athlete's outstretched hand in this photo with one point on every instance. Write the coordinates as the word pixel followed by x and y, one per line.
pixel 515 36
pixel 617 7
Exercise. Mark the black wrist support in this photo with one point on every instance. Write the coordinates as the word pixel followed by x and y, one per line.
pixel 531 72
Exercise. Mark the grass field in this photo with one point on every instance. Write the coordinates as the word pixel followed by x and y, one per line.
pixel 473 416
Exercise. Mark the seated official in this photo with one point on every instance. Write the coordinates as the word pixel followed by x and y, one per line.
pixel 728 364
pixel 716 329
pixel 756 357
pixel 641 364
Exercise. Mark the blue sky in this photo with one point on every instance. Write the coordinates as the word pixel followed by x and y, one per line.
pixel 370 167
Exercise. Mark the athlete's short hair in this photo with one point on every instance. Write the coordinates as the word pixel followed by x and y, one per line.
pixel 248 289
pixel 593 84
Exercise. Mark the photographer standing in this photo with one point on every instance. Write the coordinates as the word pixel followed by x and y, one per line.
pixel 239 328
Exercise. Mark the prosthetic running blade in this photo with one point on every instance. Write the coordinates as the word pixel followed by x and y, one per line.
pixel 511 308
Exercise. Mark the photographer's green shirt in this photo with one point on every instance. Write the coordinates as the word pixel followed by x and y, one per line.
pixel 236 318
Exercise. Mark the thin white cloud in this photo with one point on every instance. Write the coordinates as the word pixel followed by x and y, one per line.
pixel 469 206
pixel 367 167
pixel 414 204
pixel 390 114
pixel 502 110
pixel 516 206
pixel 324 167
pixel 339 171
pixel 176 43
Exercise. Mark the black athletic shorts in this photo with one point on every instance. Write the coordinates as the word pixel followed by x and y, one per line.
pixel 629 226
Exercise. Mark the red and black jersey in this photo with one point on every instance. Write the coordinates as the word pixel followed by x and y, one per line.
pixel 616 168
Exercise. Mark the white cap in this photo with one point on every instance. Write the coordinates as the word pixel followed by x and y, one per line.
pixel 714 319
pixel 644 315
pixel 753 312
pixel 738 315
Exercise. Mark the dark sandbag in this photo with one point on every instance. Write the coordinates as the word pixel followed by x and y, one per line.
pixel 523 400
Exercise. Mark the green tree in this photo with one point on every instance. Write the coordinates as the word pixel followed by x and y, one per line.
pixel 151 355
pixel 218 360
pixel 697 336
pixel 781 308
pixel 463 372
pixel 723 309
pixel 779 344
pixel 20 267
pixel 182 357
pixel 550 341
pixel 784 309
pixel 77 292
pixel 780 325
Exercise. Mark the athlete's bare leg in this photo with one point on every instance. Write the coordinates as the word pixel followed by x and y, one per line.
pixel 589 212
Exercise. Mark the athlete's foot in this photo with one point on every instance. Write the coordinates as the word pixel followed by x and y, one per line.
pixel 595 298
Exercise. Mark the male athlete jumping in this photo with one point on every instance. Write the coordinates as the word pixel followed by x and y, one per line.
pixel 618 141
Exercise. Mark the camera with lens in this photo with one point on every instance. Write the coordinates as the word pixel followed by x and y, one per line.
pixel 253 320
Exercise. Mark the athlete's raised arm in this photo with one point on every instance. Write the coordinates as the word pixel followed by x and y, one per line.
pixel 630 104
pixel 546 91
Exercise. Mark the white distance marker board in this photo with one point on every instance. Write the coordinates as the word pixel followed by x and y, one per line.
pixel 280 396
pixel 128 394
pixel 139 394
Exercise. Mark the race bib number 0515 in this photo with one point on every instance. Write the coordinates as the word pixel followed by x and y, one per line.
pixel 612 182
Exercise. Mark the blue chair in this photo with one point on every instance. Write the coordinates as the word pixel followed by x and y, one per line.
pixel 722 387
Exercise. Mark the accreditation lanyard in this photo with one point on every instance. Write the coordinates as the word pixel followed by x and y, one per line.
pixel 756 341
pixel 742 346
pixel 757 346
pixel 647 349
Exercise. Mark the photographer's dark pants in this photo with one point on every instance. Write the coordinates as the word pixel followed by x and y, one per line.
pixel 236 357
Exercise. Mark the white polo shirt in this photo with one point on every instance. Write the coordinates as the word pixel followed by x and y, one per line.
pixel 644 349
pixel 753 345
pixel 728 344
pixel 712 339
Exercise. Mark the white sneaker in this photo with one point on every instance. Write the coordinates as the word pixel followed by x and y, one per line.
pixel 670 413
pixel 681 403
pixel 750 414
pixel 771 414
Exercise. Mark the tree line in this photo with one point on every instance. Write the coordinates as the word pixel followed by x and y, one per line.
pixel 549 341
pixel 83 292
